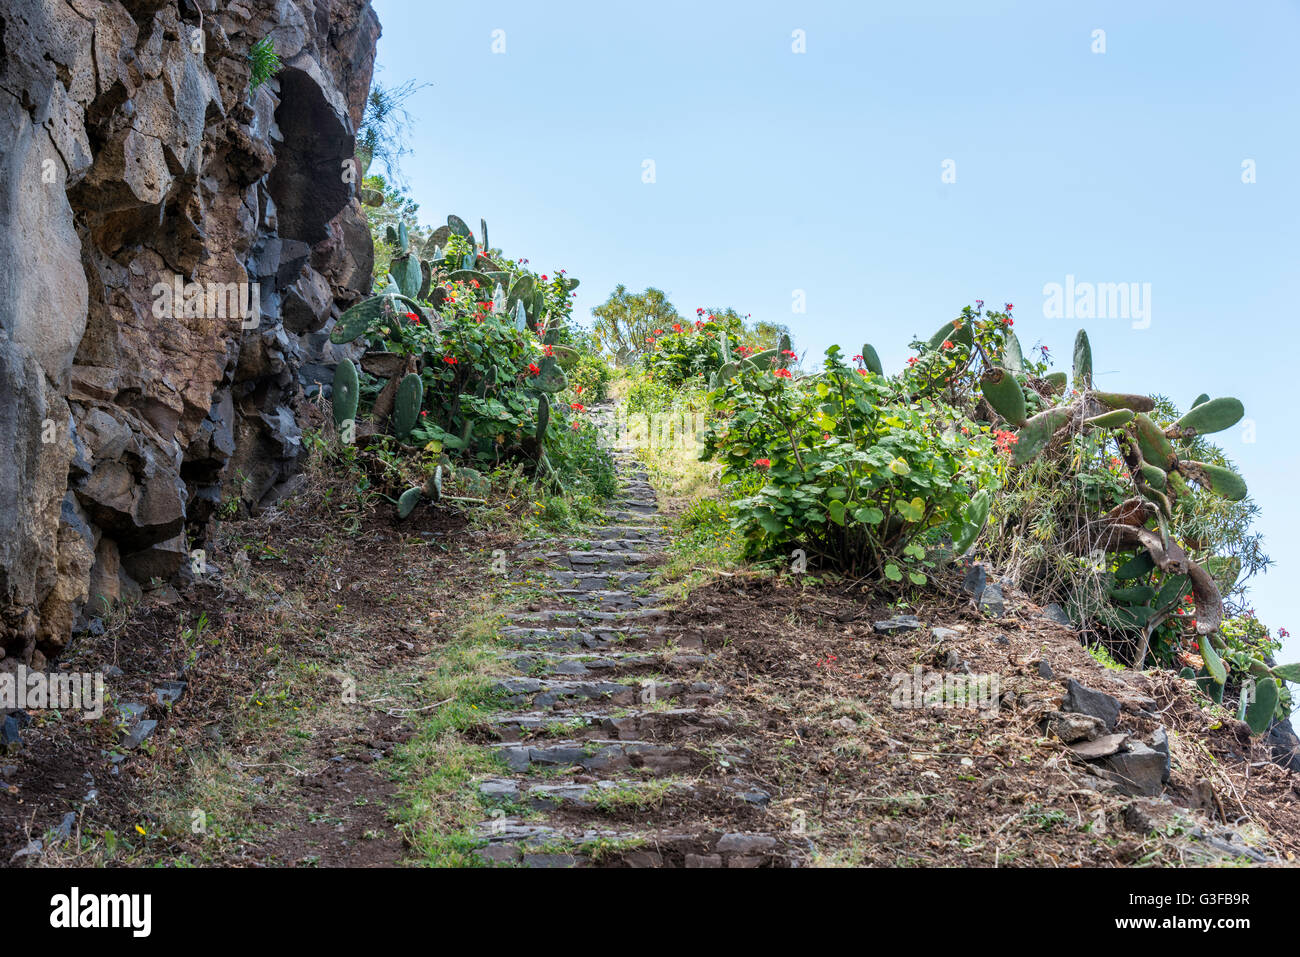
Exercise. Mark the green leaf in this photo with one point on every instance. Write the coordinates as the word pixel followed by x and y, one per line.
pixel 900 467
pixel 869 515
pixel 893 574
pixel 836 511
pixel 917 578
pixel 913 510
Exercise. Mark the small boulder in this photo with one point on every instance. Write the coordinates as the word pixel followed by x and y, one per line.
pixel 1075 727
pixel 1081 700
pixel 1139 770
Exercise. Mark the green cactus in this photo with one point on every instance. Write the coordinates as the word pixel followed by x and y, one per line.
pixel 410 396
pixel 474 481
pixel 1213 415
pixel 551 378
pixel 870 359
pixel 356 320
pixel 483 292
pixel 406 272
pixel 1056 380
pixel 407 502
pixel 1013 359
pixel 1082 376
pixel 1156 448
pixel 949 332
pixel 1003 392
pixel 1121 400
pixel 1260 711
pixel 1203 397
pixel 976 516
pixel 1113 419
pixel 346 392
pixel 1213 663
pixel 543 418
pixel 1155 476
pixel 1037 433
pixel 1223 482
pixel 433 484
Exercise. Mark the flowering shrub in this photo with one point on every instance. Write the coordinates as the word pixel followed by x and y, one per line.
pixel 692 351
pixel 858 472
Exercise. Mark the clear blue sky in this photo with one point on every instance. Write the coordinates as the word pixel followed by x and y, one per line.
pixel 821 171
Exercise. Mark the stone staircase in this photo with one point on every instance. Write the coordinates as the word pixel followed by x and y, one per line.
pixel 615 749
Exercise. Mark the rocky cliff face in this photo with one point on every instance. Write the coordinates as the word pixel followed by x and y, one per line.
pixel 173 247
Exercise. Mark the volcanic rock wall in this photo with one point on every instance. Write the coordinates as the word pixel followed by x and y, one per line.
pixel 173 247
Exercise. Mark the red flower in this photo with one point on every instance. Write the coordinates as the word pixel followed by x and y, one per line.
pixel 762 463
pixel 857 358
pixel 782 373
pixel 947 344
pixel 912 361
pixel 578 389
pixel 550 350
pixel 788 352
pixel 532 368
pixel 413 317
pixel 474 283
pixel 450 360
pixel 677 327
pixel 424 413
pixel 577 407
pixel 576 426
pixel 543 279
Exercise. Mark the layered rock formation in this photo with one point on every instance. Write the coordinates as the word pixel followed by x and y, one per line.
pixel 173 246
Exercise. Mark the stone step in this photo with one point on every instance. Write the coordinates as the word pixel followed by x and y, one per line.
pixel 537 663
pixel 578 616
pixel 547 692
pixel 579 579
pixel 606 599
pixel 509 841
pixel 605 532
pixel 546 795
pixel 624 724
pixel 598 755
pixel 590 560
pixel 571 639
pixel 591 543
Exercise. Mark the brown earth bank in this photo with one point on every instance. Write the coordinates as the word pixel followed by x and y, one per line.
pixel 363 692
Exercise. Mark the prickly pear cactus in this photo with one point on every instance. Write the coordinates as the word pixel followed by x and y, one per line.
pixel 346 392
pixel 406 412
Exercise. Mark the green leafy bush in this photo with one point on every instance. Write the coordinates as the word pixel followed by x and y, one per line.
pixel 590 376
pixel 858 470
